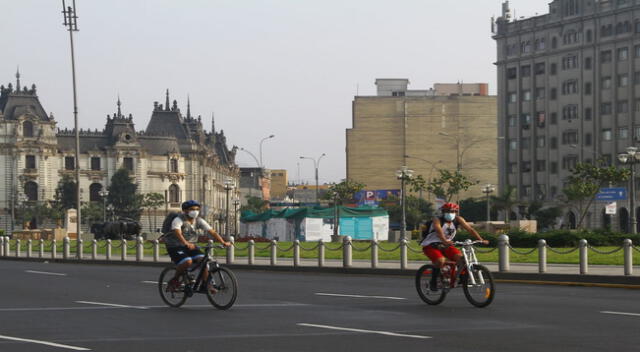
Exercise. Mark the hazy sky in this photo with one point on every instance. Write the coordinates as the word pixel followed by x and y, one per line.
pixel 283 67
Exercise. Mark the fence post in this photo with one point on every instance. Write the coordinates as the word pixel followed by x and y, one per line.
pixel 320 253
pixel 347 252
pixel 542 256
pixel 17 247
pixel 54 248
pixel 403 253
pixel 139 249
pixel 251 252
pixel 80 248
pixel 231 250
pixel 156 250
pixel 29 245
pixel 65 248
pixel 108 251
pixel 94 249
pixel 374 253
pixel 1 246
pixel 123 247
pixel 584 258
pixel 7 246
pixel 41 249
pixel 628 256
pixel 296 253
pixel 503 253
pixel 274 252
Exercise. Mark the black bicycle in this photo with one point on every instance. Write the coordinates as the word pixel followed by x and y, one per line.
pixel 221 287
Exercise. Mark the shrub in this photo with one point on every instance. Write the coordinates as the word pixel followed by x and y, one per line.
pixel 559 238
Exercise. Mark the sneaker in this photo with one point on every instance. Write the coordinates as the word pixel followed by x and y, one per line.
pixel 203 289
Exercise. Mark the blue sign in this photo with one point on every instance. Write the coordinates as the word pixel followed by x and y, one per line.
pixel 611 194
pixel 374 197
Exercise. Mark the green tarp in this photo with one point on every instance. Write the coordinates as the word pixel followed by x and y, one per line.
pixel 315 212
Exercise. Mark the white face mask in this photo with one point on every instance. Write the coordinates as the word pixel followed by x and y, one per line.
pixel 449 216
pixel 193 214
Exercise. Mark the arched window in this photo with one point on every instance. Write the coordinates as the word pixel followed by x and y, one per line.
pixel 606 220
pixel 589 36
pixel 94 192
pixel 624 220
pixel 27 129
pixel 554 43
pixel 31 191
pixel 572 222
pixel 174 194
pixel 174 165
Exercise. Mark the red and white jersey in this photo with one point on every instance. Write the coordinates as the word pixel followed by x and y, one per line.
pixel 449 229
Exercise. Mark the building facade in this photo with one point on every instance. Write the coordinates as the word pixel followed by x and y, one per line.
pixel 279 182
pixel 174 156
pixel 568 92
pixel 450 126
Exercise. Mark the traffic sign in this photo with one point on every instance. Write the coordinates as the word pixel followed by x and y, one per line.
pixel 610 208
pixel 611 194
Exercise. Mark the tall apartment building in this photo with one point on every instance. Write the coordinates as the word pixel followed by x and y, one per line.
pixel 279 182
pixel 568 92
pixel 450 126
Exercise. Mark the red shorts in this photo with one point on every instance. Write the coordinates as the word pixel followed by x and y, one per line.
pixel 435 254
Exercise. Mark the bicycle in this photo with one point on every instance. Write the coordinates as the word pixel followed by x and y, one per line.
pixel 478 287
pixel 221 288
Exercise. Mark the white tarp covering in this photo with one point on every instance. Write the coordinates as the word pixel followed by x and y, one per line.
pixel 381 228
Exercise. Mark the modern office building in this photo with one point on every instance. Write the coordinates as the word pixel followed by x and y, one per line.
pixel 568 92
pixel 450 126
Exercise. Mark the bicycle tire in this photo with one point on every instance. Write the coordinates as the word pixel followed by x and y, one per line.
pixel 225 284
pixel 422 280
pixel 486 292
pixel 175 298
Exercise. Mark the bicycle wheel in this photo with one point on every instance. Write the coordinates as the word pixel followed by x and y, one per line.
pixel 481 292
pixel 173 296
pixel 222 288
pixel 423 282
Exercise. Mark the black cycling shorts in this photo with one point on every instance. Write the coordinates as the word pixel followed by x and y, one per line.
pixel 181 254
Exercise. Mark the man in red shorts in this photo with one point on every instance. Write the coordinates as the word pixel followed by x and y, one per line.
pixel 438 245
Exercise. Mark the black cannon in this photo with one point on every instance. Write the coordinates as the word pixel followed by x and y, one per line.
pixel 127 229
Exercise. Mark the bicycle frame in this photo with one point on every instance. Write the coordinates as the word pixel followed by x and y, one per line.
pixel 206 263
pixel 470 259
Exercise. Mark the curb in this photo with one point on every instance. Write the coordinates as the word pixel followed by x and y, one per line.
pixel 606 281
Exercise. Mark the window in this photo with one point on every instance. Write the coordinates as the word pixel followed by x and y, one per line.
pixel 525 71
pixel 623 133
pixel 30 162
pixel 95 163
pixel 174 194
pixel 27 129
pixel 570 37
pixel 540 141
pixel 637 25
pixel 606 134
pixel 525 191
pixel 553 93
pixel 526 95
pixel 540 68
pixel 513 144
pixel 512 97
pixel 570 112
pixel 605 56
pixel 554 43
pixel 570 87
pixel 553 167
pixel 587 63
pixel 173 165
pixel 606 30
pixel 541 165
pixel 525 120
pixel 31 191
pixel 623 80
pixel 540 44
pixel 569 62
pixel 623 54
pixel 540 119
pixel 512 73
pixel 525 47
pixel 606 159
pixel 127 163
pixel 605 82
pixel 636 51
pixel 605 109
pixel 553 69
pixel 525 143
pixel 540 93
pixel 589 35
pixel 587 88
pixel 69 163
pixel 588 112
pixel 588 139
pixel 636 132
pixel 636 106
pixel 636 77
pixel 553 143
pixel 622 106
pixel 554 118
pixel 513 120
pixel 94 192
pixel 570 137
pixel 569 162
pixel 526 166
pixel 513 168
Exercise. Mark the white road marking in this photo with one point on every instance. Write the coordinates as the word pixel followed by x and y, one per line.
pixel 75 348
pixel 150 282
pixel 620 313
pixel 44 273
pixel 388 333
pixel 112 305
pixel 358 296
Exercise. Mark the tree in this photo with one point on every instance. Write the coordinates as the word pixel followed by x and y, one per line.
pixel 475 210
pixel 92 212
pixel 343 191
pixel 64 197
pixel 546 217
pixel 122 195
pixel 449 184
pixel 505 201
pixel 585 182
pixel 418 184
pixel 255 205
pixel 153 201
pixel 417 211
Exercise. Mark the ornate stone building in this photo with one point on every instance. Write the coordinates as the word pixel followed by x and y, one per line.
pixel 174 156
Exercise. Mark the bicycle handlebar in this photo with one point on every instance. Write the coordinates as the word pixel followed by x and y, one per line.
pixel 218 246
pixel 466 242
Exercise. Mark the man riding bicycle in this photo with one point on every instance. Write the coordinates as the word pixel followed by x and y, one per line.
pixel 437 244
pixel 180 241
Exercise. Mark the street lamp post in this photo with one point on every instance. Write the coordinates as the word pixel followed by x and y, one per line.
pixel 631 157
pixel 110 211
pixel 236 204
pixel 316 165
pixel 261 141
pixel 104 193
pixel 488 189
pixel 70 21
pixel 228 186
pixel 403 174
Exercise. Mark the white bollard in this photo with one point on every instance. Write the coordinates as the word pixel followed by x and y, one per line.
pixel 29 247
pixel 94 249
pixel 108 250
pixel 584 258
pixel 628 256
pixel 274 252
pixel 320 253
pixel 403 254
pixel 7 246
pixel 374 253
pixel 18 248
pixel 139 249
pixel 41 248
pixel 123 247
pixel 1 246
pixel 231 251
pixel 80 248
pixel 542 256
pixel 503 253
pixel 66 247
pixel 54 248
pixel 347 260
pixel 251 252
pixel 156 250
pixel 296 253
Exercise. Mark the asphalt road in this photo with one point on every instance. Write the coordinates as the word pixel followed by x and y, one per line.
pixel 40 304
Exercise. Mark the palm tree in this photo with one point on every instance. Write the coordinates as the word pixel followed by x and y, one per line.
pixel 505 201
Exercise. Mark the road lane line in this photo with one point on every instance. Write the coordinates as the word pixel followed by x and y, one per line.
pixel 44 273
pixel 150 282
pixel 112 305
pixel 388 333
pixel 357 296
pixel 620 313
pixel 53 344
